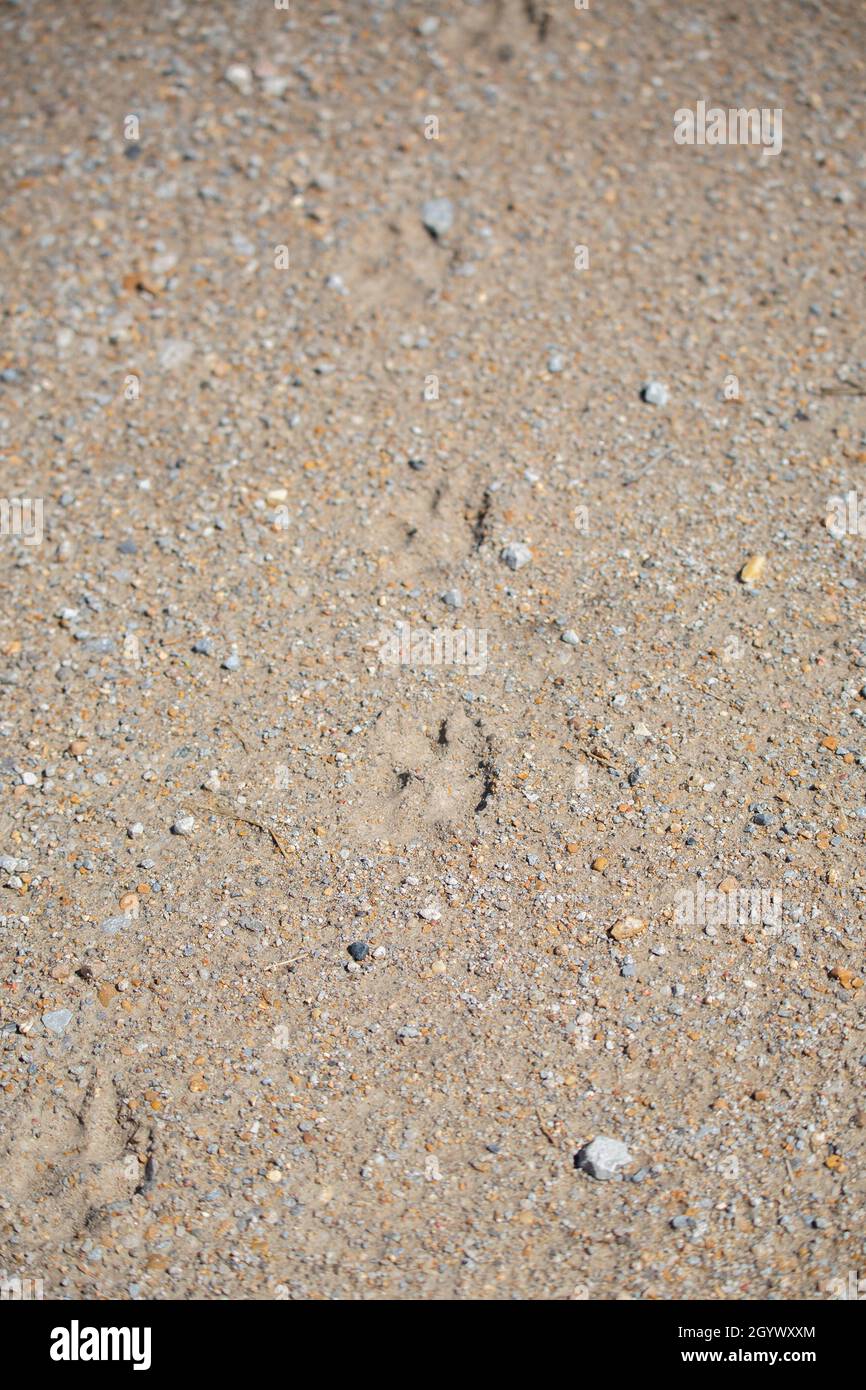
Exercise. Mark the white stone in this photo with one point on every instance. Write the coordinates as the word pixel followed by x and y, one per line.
pixel 655 393
pixel 603 1158
pixel 241 78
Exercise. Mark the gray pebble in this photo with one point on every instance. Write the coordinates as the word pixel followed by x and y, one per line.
pixel 99 646
pixel 437 214
pixel 516 555
pixel 112 925
pixel 683 1223
pixel 57 1021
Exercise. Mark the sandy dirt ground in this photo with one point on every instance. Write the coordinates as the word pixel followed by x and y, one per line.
pixel 355 591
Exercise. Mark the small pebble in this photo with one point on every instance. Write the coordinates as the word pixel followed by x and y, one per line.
pixel 516 555
pixel 57 1021
pixel 753 570
pixel 603 1158
pixel 240 77
pixel 437 214
pixel 682 1223
pixel 112 925
pixel 654 393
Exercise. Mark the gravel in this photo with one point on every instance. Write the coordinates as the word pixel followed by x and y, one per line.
pixel 228 442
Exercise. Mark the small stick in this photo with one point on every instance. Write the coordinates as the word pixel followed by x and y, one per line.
pixel 256 824
pixel 237 733
pixel 551 1138
pixel 603 758
pixel 278 964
